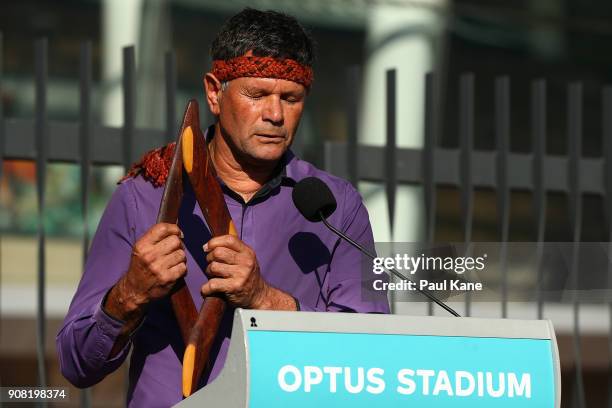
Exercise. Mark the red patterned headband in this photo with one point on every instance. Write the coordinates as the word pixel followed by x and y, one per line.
pixel 262 67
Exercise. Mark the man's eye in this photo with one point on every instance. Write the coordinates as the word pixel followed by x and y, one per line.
pixel 291 99
pixel 252 94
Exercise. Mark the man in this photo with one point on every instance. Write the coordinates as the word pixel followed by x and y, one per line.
pixel 262 72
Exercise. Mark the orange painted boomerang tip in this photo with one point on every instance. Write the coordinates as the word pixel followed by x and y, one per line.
pixel 232 229
pixel 187 149
pixel 188 366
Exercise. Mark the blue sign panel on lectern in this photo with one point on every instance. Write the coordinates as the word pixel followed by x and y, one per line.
pixel 306 369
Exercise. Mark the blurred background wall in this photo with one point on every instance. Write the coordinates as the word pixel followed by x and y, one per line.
pixel 561 41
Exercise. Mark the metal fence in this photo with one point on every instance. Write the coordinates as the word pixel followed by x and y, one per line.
pixel 501 170
pixel 42 140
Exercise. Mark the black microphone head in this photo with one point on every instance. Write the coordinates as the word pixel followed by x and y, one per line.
pixel 311 196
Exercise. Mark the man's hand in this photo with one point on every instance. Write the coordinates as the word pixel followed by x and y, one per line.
pixel 158 261
pixel 234 271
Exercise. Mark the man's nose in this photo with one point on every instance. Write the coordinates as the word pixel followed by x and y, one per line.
pixel 273 110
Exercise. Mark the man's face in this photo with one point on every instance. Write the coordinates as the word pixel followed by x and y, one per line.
pixel 259 116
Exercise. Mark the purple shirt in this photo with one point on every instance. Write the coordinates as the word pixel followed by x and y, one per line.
pixel 301 258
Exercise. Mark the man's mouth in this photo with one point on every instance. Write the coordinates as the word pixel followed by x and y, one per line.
pixel 270 136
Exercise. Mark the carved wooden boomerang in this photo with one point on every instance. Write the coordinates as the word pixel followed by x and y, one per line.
pixel 202 176
pixel 184 309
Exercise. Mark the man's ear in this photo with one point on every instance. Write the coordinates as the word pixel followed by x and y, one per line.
pixel 212 88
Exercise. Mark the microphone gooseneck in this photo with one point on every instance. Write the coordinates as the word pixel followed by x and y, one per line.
pixel 315 201
pixel 425 292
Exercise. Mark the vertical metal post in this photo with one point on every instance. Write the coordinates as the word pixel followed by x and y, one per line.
pixel 391 148
pixel 353 96
pixel 129 104
pixel 502 132
pixel 607 156
pixel 432 120
pixel 390 165
pixel 2 144
pixel 40 131
pixel 129 114
pixel 466 141
pixel 2 129
pixel 575 217
pixel 85 126
pixel 538 134
pixel 170 72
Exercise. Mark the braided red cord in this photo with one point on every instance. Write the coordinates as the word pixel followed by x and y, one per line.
pixel 154 165
pixel 262 67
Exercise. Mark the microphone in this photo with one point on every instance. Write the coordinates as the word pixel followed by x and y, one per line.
pixel 315 201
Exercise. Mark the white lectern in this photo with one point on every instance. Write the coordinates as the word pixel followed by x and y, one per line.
pixel 301 359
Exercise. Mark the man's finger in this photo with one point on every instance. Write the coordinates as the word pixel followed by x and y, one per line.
pixel 221 270
pixel 215 285
pixel 168 245
pixel 174 258
pixel 160 231
pixel 224 255
pixel 178 271
pixel 227 241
